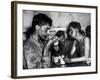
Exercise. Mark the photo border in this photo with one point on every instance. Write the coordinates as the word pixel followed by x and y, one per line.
pixel 14 37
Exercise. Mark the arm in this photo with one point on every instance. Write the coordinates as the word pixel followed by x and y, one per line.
pixel 48 46
pixel 73 48
pixel 86 52
pixel 47 54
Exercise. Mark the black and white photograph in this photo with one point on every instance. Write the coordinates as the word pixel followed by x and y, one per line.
pixel 54 39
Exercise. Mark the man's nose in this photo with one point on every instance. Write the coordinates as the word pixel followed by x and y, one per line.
pixel 70 33
pixel 48 32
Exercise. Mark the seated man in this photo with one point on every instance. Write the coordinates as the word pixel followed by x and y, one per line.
pixel 36 38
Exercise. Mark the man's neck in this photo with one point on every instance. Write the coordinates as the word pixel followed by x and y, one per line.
pixel 35 36
pixel 38 38
pixel 41 40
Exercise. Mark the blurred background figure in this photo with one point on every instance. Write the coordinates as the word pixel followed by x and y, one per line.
pixel 88 31
pixel 57 47
pixel 88 34
pixel 69 41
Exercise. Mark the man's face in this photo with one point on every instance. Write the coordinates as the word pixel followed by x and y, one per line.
pixel 43 31
pixel 72 32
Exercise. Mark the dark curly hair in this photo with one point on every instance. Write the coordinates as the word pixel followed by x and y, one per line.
pixel 60 33
pixel 75 25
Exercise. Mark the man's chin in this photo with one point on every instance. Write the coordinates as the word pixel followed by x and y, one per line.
pixel 43 39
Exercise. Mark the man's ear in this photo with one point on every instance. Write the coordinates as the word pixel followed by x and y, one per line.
pixel 37 27
pixel 77 30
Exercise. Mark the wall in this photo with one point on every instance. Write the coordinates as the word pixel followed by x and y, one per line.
pixel 5 41
pixel 60 19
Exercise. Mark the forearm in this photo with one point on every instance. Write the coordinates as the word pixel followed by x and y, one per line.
pixel 48 45
pixel 80 59
pixel 46 51
pixel 47 48
pixel 73 48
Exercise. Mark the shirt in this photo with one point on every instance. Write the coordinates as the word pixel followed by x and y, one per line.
pixel 32 53
pixel 80 46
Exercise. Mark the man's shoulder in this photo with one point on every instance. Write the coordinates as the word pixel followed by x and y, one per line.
pixel 32 44
pixel 29 43
pixel 29 47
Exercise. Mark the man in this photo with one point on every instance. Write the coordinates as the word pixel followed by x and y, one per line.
pixel 37 36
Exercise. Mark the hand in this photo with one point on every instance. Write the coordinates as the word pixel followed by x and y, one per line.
pixel 49 43
pixel 88 61
pixel 45 59
pixel 67 60
pixel 45 62
pixel 54 39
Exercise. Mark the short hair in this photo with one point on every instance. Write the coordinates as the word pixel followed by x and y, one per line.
pixel 60 33
pixel 39 19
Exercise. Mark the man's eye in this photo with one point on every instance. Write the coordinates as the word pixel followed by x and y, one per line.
pixel 71 31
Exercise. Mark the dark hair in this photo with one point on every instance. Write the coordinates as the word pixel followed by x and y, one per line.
pixel 60 33
pixel 67 32
pixel 39 19
pixel 75 25
pixel 88 31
